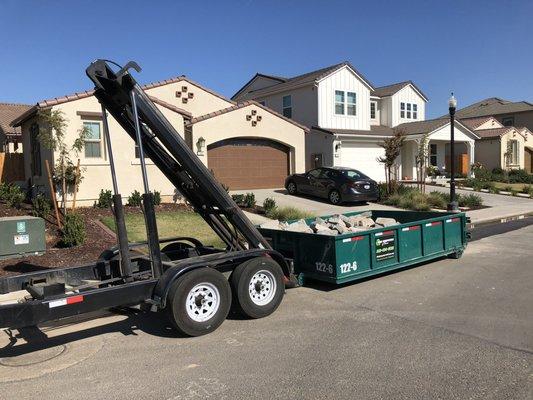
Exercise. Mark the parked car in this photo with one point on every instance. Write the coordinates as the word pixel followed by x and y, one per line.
pixel 337 184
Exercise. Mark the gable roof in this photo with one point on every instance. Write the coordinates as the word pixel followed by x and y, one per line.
pixel 171 107
pixel 389 90
pixel 306 79
pixel 430 125
pixel 494 132
pixel 242 105
pixel 493 106
pixel 43 104
pixel 8 112
pixel 474 123
pixel 259 75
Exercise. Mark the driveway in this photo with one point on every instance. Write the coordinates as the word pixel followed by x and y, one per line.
pixel 450 329
pixel 500 206
pixel 312 204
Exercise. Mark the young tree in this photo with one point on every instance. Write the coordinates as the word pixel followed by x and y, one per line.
pixel 52 136
pixel 421 160
pixel 392 147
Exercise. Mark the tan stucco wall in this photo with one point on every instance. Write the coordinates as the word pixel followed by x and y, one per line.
pixel 491 152
pixel 234 125
pixel 520 119
pixel 490 124
pixel 201 103
pixel 514 135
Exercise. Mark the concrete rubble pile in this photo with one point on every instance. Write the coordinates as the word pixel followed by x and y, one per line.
pixel 335 225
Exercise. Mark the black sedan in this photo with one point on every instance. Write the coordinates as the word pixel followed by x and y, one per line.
pixel 337 184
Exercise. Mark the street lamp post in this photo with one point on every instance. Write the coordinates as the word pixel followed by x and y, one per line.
pixel 452 104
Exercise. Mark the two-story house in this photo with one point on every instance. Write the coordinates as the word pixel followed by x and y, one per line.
pixel 349 117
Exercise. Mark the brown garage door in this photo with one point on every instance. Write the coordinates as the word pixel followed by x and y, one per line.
pixel 249 163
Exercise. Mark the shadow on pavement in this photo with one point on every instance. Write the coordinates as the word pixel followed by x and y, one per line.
pixel 321 200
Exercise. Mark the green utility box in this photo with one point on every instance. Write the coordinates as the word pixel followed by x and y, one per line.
pixel 419 237
pixel 21 236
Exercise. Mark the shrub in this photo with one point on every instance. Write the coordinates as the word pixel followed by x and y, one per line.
pixel 41 206
pixel 4 190
pixel 507 189
pixel 238 198
pixel 527 189
pixel 73 232
pixel 437 199
pixel 105 199
pixel 520 176
pixel 135 200
pixel 269 205
pixel 289 213
pixel 12 195
pixel 471 200
pixel 157 198
pixel 249 200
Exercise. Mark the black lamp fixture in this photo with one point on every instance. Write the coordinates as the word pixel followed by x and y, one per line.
pixel 452 106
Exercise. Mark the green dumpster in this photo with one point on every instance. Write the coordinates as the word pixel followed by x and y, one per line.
pixel 419 237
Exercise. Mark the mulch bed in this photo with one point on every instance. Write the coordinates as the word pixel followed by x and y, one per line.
pixel 98 240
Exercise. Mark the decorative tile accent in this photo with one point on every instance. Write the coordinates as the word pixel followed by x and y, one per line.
pixel 253 117
pixel 184 94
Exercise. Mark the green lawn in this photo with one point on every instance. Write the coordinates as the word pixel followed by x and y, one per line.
pixel 169 224
pixel 516 186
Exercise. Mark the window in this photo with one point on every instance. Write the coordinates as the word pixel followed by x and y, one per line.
pixel 514 158
pixel 354 174
pixel 35 146
pixel 287 106
pixel 372 110
pixel 433 155
pixel 339 102
pixel 315 173
pixel 408 110
pixel 93 142
pixel 351 105
pixel 508 121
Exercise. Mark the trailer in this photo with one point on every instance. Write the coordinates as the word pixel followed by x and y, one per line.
pixel 194 284
pixel 418 237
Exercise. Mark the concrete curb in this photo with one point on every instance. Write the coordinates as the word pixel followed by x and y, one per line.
pixel 502 219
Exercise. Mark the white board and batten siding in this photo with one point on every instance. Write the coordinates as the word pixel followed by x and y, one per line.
pixel 343 79
pixel 406 95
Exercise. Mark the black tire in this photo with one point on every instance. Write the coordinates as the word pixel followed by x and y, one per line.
pixel 456 255
pixel 334 197
pixel 182 290
pixel 292 188
pixel 267 274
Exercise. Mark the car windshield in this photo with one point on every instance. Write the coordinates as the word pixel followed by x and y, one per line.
pixel 354 174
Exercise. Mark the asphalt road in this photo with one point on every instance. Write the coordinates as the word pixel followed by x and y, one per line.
pixel 451 329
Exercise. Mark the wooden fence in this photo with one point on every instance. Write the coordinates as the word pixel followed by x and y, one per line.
pixel 11 167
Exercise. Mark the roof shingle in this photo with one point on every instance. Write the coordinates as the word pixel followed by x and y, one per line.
pixel 8 112
pixel 493 106
pixel 389 90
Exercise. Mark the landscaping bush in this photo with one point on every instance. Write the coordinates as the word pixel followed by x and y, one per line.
pixel 41 206
pixel 249 200
pixel 527 189
pixel 269 205
pixel 289 213
pixel 471 200
pixel 238 198
pixel 12 195
pixel 520 176
pixel 105 199
pixel 135 200
pixel 410 199
pixel 73 232
pixel 157 198
pixel 437 199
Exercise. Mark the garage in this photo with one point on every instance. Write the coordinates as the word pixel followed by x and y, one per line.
pixel 363 157
pixel 247 163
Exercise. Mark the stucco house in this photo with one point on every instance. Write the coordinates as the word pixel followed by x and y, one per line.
pixel 349 118
pixel 11 137
pixel 214 126
pixel 518 114
pixel 500 146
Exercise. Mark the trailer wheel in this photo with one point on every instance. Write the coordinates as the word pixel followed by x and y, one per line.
pixel 258 287
pixel 199 301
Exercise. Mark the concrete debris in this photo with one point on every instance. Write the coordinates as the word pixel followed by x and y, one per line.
pixel 335 225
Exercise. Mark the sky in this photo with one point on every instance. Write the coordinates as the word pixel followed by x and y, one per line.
pixel 477 49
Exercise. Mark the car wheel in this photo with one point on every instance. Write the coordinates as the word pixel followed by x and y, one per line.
pixel 257 287
pixel 291 188
pixel 334 197
pixel 199 301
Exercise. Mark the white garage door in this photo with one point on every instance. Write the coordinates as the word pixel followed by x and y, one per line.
pixel 363 157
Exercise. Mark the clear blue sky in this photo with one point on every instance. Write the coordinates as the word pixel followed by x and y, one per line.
pixel 478 49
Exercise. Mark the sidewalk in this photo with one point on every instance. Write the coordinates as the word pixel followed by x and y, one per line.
pixel 499 206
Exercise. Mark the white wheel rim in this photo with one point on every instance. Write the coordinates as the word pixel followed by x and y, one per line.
pixel 262 287
pixel 202 302
pixel 334 197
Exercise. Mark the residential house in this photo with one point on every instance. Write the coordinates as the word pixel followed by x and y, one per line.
pixel 500 146
pixel 518 114
pixel 248 142
pixel 11 158
pixel 349 118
